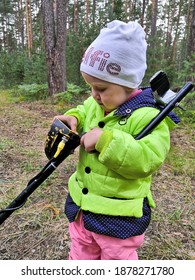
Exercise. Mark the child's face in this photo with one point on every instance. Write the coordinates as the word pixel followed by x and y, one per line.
pixel 109 96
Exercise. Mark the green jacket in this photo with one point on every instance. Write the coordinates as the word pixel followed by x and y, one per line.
pixel 115 179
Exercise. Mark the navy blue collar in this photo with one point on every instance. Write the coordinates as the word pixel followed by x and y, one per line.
pixel 143 99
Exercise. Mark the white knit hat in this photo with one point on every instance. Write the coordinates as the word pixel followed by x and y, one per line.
pixel 118 54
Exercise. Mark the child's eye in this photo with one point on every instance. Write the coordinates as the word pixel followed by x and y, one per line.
pixel 101 89
pixel 98 89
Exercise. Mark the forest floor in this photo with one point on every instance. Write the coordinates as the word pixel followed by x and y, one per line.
pixel 39 230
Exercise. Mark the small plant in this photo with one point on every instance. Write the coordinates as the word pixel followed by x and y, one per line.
pixel 72 93
pixel 31 92
pixel 6 97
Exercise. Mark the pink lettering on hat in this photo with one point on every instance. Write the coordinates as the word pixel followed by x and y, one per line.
pixel 87 55
pixel 102 64
pixel 95 57
pixel 113 68
pixel 100 58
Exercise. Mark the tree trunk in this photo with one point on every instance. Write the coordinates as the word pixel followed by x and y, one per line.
pixel 176 32
pixel 29 27
pixel 87 12
pixel 93 11
pixel 54 24
pixel 143 12
pixel 191 43
pixel 20 8
pixel 153 22
pixel 75 15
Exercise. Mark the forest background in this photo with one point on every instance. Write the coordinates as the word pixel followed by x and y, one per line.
pixel 43 41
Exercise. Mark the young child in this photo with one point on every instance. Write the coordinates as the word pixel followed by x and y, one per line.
pixel 109 202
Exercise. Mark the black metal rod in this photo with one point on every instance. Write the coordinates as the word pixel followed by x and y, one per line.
pixel 53 163
pixel 35 182
pixel 166 110
pixel 22 197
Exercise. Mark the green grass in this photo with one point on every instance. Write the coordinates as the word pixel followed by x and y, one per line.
pixel 182 161
pixel 6 98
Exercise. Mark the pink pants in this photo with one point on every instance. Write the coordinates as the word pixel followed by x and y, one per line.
pixel 87 245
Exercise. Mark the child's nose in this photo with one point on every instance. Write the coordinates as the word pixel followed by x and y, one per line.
pixel 95 94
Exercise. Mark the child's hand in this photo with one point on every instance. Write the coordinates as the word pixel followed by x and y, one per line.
pixel 71 121
pixel 89 139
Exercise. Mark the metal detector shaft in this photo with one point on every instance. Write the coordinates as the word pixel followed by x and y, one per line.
pixel 35 182
pixel 166 110
pixel 22 197
pixel 54 162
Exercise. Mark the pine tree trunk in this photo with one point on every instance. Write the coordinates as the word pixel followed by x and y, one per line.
pixel 143 12
pixel 29 27
pixel 87 12
pixel 176 33
pixel 191 44
pixel 75 15
pixel 153 23
pixel 54 24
